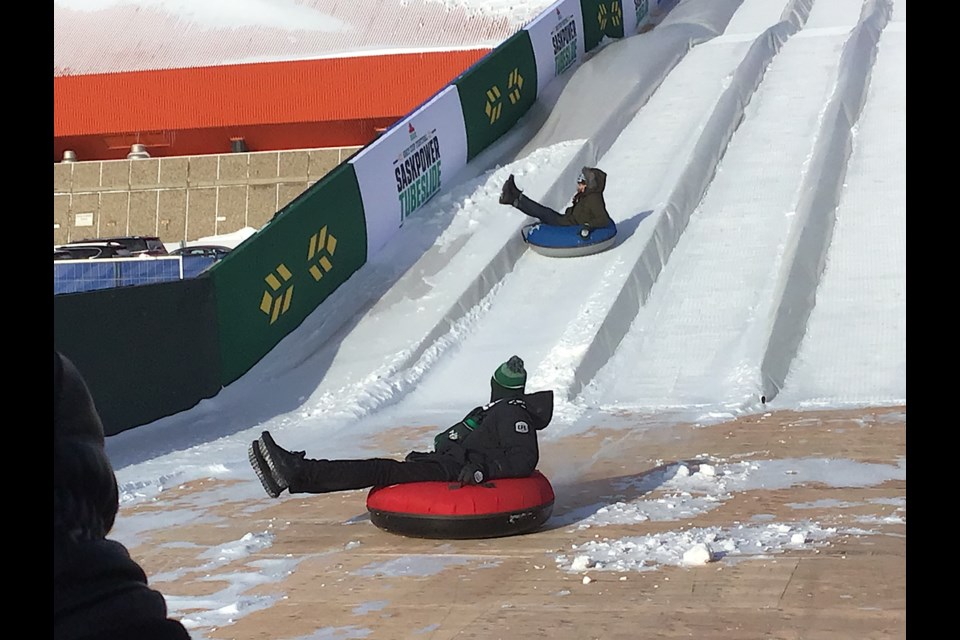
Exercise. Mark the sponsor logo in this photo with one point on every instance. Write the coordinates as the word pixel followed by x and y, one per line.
pixel 564 39
pixel 522 427
pixel 276 301
pixel 454 435
pixel 322 247
pixel 614 17
pixel 417 171
pixel 514 85
pixel 494 104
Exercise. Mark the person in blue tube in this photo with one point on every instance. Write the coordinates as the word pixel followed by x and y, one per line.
pixel 587 210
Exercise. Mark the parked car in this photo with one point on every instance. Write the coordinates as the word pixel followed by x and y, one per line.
pixel 136 245
pixel 207 250
pixel 90 251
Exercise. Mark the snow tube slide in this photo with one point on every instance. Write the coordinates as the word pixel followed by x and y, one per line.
pixel 498 508
pixel 568 242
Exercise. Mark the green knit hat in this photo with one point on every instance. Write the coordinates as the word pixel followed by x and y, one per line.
pixel 510 375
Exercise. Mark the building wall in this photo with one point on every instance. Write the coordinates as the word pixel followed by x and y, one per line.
pixel 182 198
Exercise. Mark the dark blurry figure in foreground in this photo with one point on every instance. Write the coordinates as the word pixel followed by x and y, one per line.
pixel 99 591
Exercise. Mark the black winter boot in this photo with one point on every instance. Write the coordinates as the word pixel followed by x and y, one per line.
pixel 262 469
pixel 510 193
pixel 282 464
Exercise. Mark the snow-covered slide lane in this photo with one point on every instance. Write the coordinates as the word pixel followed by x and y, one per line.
pixel 550 311
pixel 703 334
pixel 863 278
pixel 366 362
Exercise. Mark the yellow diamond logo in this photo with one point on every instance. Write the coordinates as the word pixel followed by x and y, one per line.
pixel 616 13
pixel 494 105
pixel 276 301
pixel 515 84
pixel 322 247
pixel 602 16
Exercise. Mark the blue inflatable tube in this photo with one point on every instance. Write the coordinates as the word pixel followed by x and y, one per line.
pixel 568 242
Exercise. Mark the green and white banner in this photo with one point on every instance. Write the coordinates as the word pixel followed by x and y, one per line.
pixel 497 91
pixel 407 166
pixel 557 39
pixel 266 287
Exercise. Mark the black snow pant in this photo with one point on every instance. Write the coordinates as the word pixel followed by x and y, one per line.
pixel 538 211
pixel 325 476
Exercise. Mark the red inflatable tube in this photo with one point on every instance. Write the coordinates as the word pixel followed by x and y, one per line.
pixel 504 507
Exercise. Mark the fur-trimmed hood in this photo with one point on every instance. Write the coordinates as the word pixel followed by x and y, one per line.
pixel 596 179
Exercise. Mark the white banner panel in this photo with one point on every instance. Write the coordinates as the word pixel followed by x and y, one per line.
pixel 407 165
pixel 557 38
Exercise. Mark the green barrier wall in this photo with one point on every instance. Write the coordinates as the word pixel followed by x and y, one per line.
pixel 146 352
pixel 602 18
pixel 267 287
pixel 496 91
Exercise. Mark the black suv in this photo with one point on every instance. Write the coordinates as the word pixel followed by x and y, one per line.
pixel 90 251
pixel 136 245
pixel 206 250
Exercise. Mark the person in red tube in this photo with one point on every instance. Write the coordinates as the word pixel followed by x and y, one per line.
pixel 496 440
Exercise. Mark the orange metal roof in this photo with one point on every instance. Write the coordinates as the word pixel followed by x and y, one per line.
pixel 266 93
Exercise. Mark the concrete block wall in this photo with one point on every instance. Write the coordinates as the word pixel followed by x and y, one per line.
pixel 182 199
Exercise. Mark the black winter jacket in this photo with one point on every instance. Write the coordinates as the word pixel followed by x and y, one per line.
pixel 101 593
pixel 589 208
pixel 504 439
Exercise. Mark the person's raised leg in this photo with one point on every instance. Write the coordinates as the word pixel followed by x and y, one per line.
pixel 537 210
pixel 513 196
pixel 280 469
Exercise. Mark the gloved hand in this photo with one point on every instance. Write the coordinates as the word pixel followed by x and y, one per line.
pixel 472 473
